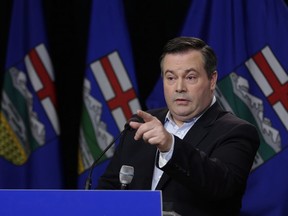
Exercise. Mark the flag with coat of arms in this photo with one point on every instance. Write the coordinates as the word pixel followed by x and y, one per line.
pixel 29 128
pixel 250 40
pixel 109 91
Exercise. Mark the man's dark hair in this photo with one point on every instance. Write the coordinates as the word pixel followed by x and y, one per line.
pixel 185 44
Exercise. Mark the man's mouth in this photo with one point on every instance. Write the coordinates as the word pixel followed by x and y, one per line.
pixel 181 101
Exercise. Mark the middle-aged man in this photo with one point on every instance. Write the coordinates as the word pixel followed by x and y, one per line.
pixel 196 153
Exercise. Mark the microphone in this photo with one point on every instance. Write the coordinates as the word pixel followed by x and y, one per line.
pixel 88 183
pixel 126 175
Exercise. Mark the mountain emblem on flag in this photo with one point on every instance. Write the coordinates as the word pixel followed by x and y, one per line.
pixel 23 116
pixel 234 94
pixel 108 87
pixel 272 79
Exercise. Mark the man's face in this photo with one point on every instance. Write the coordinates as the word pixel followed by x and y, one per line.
pixel 187 89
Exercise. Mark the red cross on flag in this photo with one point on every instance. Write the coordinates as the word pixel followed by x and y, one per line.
pixel 116 87
pixel 41 75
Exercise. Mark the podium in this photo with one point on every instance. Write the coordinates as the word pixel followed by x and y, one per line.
pixel 80 202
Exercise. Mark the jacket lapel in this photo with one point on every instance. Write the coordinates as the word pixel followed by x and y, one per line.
pixel 201 128
pixel 196 134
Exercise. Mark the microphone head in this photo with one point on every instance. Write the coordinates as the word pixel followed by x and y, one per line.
pixel 126 174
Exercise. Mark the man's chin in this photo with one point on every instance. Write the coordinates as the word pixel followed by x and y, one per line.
pixel 182 115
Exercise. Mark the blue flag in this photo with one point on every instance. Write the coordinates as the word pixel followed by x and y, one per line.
pixel 29 129
pixel 110 91
pixel 250 40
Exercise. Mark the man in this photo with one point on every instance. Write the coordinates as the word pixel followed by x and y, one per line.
pixel 197 154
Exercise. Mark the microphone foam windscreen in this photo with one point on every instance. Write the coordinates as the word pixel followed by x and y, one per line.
pixel 126 174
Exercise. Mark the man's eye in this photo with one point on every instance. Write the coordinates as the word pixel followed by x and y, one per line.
pixel 191 77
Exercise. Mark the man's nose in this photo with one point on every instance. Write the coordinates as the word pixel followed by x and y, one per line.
pixel 180 85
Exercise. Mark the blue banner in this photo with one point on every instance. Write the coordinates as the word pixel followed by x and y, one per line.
pixel 110 90
pixel 29 128
pixel 250 40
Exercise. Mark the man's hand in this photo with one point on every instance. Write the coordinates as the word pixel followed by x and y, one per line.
pixel 152 131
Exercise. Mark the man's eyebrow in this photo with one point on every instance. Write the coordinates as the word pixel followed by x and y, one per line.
pixel 186 71
pixel 191 69
pixel 168 71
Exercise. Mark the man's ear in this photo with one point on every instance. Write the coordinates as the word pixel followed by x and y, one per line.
pixel 213 82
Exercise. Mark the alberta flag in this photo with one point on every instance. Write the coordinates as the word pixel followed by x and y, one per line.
pixel 110 91
pixel 29 129
pixel 250 40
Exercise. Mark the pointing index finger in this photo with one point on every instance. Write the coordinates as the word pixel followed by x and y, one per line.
pixel 144 115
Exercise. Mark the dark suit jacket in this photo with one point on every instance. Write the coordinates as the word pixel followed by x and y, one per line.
pixel 207 172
